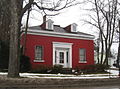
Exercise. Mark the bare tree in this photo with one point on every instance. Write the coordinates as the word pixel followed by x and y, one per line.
pixel 4 20
pixel 18 8
pixel 104 20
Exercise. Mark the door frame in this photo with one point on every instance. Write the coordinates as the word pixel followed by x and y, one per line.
pixel 63 45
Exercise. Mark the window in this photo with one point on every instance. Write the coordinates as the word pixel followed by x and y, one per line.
pixel 82 53
pixel 39 53
pixel 73 27
pixel 49 24
pixel 67 56
pixel 55 56
pixel 61 55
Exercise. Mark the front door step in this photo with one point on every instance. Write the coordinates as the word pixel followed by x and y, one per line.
pixel 66 71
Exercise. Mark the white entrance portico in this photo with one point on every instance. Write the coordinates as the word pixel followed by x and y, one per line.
pixel 62 54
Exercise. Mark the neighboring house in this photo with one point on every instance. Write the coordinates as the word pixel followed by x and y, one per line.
pixel 111 60
pixel 50 45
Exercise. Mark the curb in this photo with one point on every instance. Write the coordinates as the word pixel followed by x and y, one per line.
pixel 52 83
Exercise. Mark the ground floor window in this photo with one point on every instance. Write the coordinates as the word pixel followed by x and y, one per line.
pixel 39 53
pixel 82 54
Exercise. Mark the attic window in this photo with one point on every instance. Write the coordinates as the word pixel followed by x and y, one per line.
pixel 49 24
pixel 73 27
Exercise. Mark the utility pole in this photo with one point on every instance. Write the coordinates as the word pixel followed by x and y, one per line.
pixel 118 56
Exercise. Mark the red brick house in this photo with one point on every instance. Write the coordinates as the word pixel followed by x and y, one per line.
pixel 49 44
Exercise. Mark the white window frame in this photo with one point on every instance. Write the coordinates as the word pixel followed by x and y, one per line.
pixel 74 27
pixel 48 23
pixel 82 55
pixel 37 59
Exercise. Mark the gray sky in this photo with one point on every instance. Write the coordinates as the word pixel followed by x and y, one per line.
pixel 66 17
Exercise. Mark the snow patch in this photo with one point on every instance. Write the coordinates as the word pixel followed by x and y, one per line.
pixel 112 74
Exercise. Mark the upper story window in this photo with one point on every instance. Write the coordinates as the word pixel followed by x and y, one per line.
pixel 49 24
pixel 82 54
pixel 73 27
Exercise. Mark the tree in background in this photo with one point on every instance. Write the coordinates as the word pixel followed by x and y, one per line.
pixel 4 20
pixel 15 13
pixel 104 15
pixel 4 33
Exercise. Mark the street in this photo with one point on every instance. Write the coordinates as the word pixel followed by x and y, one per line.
pixel 102 87
pixel 89 87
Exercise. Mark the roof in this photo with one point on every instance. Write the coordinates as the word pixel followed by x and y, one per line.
pixel 58 29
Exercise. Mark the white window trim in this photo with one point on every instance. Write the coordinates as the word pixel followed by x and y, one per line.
pixel 39 60
pixel 47 24
pixel 72 27
pixel 82 61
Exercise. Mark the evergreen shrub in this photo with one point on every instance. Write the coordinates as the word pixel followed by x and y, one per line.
pixel 89 69
pixel 41 69
pixel 25 64
pixel 4 54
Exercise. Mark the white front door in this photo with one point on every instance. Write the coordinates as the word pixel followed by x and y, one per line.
pixel 62 54
pixel 62 57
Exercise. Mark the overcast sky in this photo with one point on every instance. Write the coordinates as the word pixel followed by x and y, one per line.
pixel 66 17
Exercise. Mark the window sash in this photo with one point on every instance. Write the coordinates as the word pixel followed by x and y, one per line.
pixel 49 25
pixel 61 55
pixel 38 53
pixel 74 28
pixel 82 55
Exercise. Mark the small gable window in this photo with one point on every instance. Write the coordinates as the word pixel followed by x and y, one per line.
pixel 73 27
pixel 49 24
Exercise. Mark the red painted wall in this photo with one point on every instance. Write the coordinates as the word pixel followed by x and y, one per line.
pixel 46 41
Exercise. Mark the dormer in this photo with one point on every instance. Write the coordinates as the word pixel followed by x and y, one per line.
pixel 49 24
pixel 71 27
pixel 74 27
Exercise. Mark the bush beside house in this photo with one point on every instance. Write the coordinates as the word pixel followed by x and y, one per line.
pixel 89 69
pixel 25 65
pixel 82 69
pixel 4 54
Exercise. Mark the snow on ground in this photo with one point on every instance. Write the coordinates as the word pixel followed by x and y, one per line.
pixel 112 74
pixel 3 73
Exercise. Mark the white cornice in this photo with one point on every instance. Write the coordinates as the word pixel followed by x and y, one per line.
pixel 58 34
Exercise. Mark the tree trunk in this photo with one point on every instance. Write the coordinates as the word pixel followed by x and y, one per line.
pixel 13 70
pixel 25 35
pixel 4 20
pixel 107 54
pixel 102 48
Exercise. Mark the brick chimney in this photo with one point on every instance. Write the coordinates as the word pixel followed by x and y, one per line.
pixel 44 18
pixel 43 25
